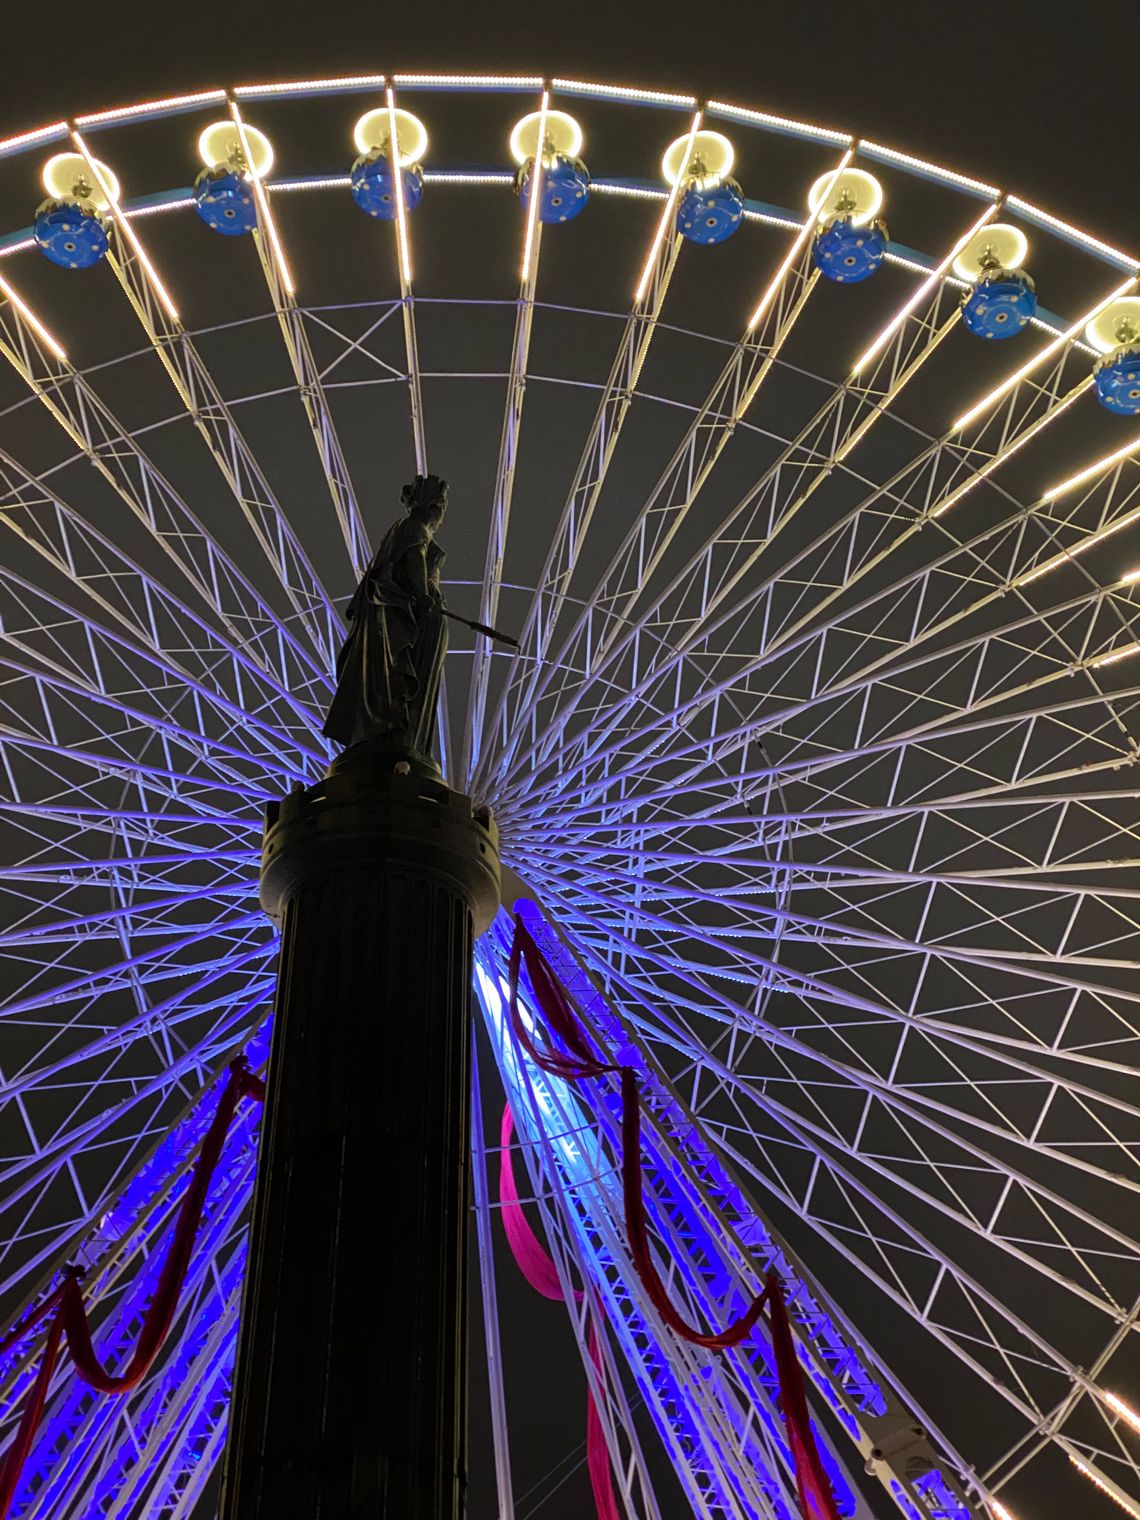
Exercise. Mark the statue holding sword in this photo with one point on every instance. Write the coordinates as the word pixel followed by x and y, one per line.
pixel 389 667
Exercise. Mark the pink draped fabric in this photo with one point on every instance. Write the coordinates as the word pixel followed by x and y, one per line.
pixel 70 1313
pixel 537 1266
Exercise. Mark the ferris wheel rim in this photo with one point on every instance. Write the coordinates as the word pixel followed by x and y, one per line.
pixel 228 758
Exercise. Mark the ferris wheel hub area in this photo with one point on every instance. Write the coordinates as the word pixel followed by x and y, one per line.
pixel 380 808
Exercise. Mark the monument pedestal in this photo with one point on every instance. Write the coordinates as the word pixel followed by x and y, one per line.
pixel 350 1384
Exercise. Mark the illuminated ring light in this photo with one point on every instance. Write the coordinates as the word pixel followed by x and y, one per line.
pixel 1115 325
pixel 925 837
pixel 832 195
pixel 997 244
pixel 712 149
pixel 63 172
pixel 374 128
pixel 562 131
pixel 217 144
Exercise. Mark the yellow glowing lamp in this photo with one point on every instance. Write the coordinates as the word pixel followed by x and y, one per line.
pixel 995 245
pixel 374 129
pixel 563 136
pixel 67 177
pixel 850 193
pixel 1118 323
pixel 220 147
pixel 702 159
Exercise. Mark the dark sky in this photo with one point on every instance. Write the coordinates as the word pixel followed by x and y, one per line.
pixel 1023 95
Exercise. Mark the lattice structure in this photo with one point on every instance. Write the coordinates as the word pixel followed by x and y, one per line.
pixel 818 759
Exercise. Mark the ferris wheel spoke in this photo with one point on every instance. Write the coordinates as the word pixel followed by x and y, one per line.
pixel 729 1409
pixel 165 1016
pixel 79 648
pixel 549 600
pixel 153 1416
pixel 503 490
pixel 178 837
pixel 139 873
pixel 672 498
pixel 889 1279
pixel 177 785
pixel 910 1174
pixel 310 386
pixel 932 1115
pixel 407 298
pixel 1011 1357
pixel 1010 811
pixel 1000 748
pixel 108 1138
pixel 988 669
pixel 866 920
pixel 825 442
pixel 134 268
pixel 926 488
pixel 136 602
pixel 58 702
pixel 110 922
pixel 979 1039
pixel 807 671
pixel 156 963
pixel 145 1181
pixel 1026 564
pixel 653 845
pixel 115 455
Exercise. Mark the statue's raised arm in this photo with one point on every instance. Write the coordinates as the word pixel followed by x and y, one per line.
pixel 388 670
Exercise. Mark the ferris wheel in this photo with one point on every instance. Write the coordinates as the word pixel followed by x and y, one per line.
pixel 814 771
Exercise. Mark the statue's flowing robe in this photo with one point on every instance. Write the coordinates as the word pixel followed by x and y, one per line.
pixel 389 667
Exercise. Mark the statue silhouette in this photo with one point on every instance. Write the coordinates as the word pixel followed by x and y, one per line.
pixel 389 668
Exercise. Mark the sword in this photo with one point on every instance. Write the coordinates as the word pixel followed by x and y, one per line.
pixel 490 633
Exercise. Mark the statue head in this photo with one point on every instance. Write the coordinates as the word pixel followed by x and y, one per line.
pixel 426 498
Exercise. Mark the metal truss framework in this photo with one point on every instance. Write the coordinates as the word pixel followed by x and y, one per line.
pixel 829 787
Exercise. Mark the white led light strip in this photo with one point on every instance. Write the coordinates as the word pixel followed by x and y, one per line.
pixel 1070 333
pixel 779 123
pixel 536 176
pixel 667 215
pixel 398 186
pixel 1105 1486
pixel 301 86
pixel 108 189
pixel 625 92
pixel 263 206
pixel 32 320
pixel 27 139
pixel 1092 470
pixel 1125 1411
pixel 1067 230
pixel 922 166
pixel 793 253
pixel 149 107
pixel 927 286
pixel 470 81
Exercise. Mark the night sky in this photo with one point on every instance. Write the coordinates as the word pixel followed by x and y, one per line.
pixel 1036 97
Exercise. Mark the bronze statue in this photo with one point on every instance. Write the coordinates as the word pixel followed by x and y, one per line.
pixel 388 670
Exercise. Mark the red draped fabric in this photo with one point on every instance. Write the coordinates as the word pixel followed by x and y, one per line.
pixel 578 1060
pixel 70 1313
pixel 574 1059
pixel 816 1499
